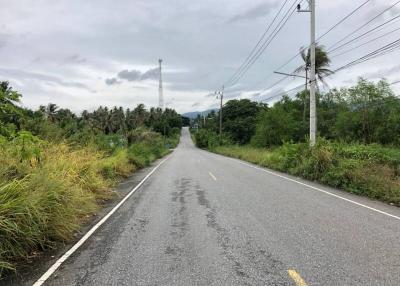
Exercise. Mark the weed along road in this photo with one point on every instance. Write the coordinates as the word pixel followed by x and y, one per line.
pixel 205 219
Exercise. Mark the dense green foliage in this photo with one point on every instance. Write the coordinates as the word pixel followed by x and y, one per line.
pixel 365 113
pixel 56 168
pixel 369 170
pixel 238 120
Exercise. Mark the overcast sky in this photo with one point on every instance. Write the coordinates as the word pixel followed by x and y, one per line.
pixel 82 54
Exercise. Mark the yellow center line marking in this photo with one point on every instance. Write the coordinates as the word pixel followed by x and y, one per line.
pixel 296 278
pixel 212 176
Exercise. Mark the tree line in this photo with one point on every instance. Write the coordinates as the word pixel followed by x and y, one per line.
pixel 367 113
pixel 55 124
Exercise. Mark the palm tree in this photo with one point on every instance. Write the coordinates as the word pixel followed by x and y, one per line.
pixel 51 112
pixel 322 63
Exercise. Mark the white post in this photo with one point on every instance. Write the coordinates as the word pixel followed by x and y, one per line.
pixel 160 89
pixel 313 119
pixel 220 114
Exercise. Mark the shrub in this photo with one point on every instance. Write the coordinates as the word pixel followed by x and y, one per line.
pixel 205 138
pixel 110 143
pixel 368 170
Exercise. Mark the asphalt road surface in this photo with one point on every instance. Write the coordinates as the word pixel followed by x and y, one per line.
pixel 205 219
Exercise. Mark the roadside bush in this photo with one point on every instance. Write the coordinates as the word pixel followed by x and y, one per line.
pixel 368 170
pixel 205 138
pixel 117 165
pixel 110 143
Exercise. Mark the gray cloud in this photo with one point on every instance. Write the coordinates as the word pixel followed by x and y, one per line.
pixel 134 75
pixel 255 12
pixel 130 75
pixel 381 73
pixel 44 78
pixel 112 81
pixel 4 38
pixel 2 42
pixel 379 7
pixel 269 96
pixel 194 38
pixel 74 59
pixel 150 74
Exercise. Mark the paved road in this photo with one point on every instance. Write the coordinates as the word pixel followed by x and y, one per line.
pixel 204 219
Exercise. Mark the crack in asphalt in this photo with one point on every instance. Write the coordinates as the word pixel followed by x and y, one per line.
pixel 272 270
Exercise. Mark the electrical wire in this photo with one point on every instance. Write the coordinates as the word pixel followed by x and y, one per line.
pixel 263 47
pixel 363 25
pixel 395 45
pixel 259 41
pixel 363 44
pixel 318 38
pixel 362 35
pixel 378 52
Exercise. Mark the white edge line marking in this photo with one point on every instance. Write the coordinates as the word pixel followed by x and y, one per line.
pixel 212 176
pixel 315 188
pixel 67 254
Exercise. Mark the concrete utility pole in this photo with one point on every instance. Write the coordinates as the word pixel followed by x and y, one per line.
pixel 160 89
pixel 313 105
pixel 221 97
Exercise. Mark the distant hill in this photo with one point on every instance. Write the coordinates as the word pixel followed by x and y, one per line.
pixel 194 114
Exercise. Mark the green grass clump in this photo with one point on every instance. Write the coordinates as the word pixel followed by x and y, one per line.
pixel 368 170
pixel 45 202
pixel 47 190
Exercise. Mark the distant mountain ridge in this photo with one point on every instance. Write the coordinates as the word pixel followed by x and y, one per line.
pixel 194 114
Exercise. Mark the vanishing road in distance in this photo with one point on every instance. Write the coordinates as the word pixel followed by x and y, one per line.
pixel 205 219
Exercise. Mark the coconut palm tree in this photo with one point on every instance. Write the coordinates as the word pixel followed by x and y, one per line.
pixel 322 63
pixel 51 112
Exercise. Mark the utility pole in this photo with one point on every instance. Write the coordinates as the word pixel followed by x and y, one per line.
pixel 221 97
pixel 313 105
pixel 160 89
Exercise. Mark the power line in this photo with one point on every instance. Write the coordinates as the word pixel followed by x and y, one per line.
pixel 363 44
pixel 319 38
pixel 256 57
pixel 362 26
pixel 258 43
pixel 378 52
pixel 343 19
pixel 266 43
pixel 286 92
pixel 362 35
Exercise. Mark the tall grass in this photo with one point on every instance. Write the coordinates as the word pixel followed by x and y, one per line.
pixel 45 196
pixel 368 170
